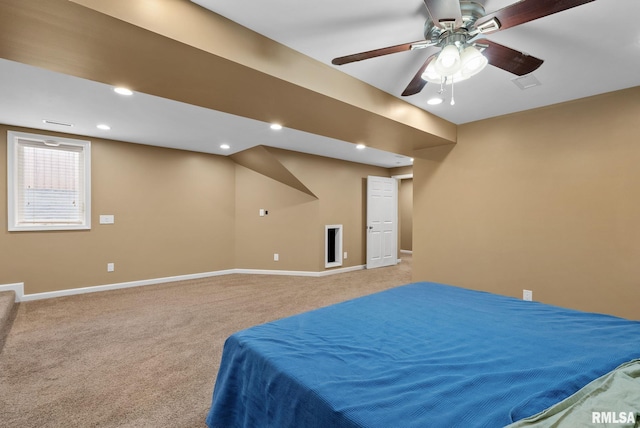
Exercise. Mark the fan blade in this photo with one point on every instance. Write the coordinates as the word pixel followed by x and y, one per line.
pixel 528 10
pixel 374 53
pixel 444 11
pixel 509 59
pixel 418 83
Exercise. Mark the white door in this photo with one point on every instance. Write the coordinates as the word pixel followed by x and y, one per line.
pixel 382 221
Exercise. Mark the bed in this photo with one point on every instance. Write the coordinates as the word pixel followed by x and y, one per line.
pixel 418 355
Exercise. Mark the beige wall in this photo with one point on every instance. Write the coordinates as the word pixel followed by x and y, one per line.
pixel 296 222
pixel 174 215
pixel 545 200
pixel 405 210
pixel 179 213
pixel 405 207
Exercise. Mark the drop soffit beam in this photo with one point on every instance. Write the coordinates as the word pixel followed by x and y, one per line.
pixel 223 38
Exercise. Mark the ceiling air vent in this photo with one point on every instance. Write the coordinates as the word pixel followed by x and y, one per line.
pixel 526 82
pixel 53 122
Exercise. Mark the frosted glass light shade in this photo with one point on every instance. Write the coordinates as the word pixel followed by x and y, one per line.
pixel 432 76
pixel 448 62
pixel 473 62
pixel 450 66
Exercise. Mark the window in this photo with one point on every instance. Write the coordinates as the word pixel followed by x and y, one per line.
pixel 49 182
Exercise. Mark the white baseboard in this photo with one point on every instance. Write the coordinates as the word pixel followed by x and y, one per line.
pixel 341 270
pixel 21 297
pixel 18 288
pixel 117 286
pixel 299 272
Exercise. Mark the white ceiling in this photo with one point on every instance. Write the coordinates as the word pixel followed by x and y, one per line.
pixel 31 95
pixel 591 49
pixel 587 50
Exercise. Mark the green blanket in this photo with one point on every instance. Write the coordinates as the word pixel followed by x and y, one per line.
pixel 612 400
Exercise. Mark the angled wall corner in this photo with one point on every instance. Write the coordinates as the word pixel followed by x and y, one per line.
pixel 262 161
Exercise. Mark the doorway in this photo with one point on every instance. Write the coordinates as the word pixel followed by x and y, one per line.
pixel 382 221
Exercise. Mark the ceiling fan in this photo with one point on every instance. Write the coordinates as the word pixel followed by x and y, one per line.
pixel 459 28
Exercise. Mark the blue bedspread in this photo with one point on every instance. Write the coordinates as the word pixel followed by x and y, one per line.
pixel 419 355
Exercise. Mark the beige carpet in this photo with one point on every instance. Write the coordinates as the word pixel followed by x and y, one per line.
pixel 148 356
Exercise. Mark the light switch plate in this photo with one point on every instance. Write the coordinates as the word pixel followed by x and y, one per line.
pixel 107 219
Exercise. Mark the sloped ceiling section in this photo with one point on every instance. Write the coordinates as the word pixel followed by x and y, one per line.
pixel 262 161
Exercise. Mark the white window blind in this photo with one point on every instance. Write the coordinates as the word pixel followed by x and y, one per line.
pixel 49 181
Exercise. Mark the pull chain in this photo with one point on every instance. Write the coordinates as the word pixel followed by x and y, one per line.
pixel 453 102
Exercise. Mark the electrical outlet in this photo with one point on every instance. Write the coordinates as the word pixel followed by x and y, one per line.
pixel 276 257
pixel 527 295
pixel 111 267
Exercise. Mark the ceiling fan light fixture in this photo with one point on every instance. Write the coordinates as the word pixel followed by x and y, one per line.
pixel 473 62
pixel 430 74
pixel 448 62
pixel 435 101
pixel 433 76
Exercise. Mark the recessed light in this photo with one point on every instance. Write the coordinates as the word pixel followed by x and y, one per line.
pixel 225 146
pixel 434 101
pixel 360 146
pixel 123 91
pixel 276 126
pixel 103 126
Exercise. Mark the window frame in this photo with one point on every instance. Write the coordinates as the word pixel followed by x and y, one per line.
pixel 13 140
